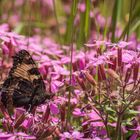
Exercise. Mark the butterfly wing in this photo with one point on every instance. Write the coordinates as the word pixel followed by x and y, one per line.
pixel 24 85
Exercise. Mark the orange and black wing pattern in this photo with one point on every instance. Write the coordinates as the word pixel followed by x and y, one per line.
pixel 24 86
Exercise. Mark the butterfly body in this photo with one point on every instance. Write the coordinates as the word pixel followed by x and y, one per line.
pixel 24 86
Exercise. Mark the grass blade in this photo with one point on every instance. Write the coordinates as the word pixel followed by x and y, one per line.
pixel 70 23
pixel 115 15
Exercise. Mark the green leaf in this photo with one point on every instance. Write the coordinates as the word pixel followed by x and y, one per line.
pixel 110 110
pixel 19 27
pixel 133 19
pixel 112 118
pixel 135 112
pixel 135 26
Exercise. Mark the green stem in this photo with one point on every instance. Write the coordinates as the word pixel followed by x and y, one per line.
pixel 107 130
pixel 115 16
pixel 70 89
pixel 56 18
pixel 70 22
pixel 87 18
pixel 130 15
pixel 118 127
pixel 71 58
pixel 1 10
pixel 105 121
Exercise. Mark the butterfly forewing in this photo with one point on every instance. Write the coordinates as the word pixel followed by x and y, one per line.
pixel 24 85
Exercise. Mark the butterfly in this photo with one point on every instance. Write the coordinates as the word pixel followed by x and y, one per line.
pixel 24 86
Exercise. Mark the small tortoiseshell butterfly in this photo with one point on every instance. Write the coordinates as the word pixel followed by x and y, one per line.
pixel 24 86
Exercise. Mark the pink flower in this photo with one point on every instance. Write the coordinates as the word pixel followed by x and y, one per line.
pixel 55 85
pixel 75 135
pixel 5 49
pixel 60 70
pixel 123 44
pixel 54 108
pixel 95 43
pixel 78 113
pixel 19 135
pixel 4 27
pixel 82 7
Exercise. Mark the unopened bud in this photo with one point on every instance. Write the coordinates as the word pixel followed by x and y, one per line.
pixel 101 73
pixel 81 82
pixel 135 71
pixel 128 74
pixel 119 57
pixel 113 74
pixel 90 78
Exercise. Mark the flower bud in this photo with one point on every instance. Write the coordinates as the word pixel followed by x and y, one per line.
pixel 63 113
pixel 119 57
pixel 101 73
pixel 81 82
pixel 113 65
pixel 46 115
pixel 90 78
pixel 135 71
pixel 113 74
pixel 128 74
pixel 20 120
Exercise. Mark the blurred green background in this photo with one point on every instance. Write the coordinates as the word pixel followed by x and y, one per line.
pixel 77 21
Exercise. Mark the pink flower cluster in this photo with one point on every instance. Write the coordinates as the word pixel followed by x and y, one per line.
pixel 100 63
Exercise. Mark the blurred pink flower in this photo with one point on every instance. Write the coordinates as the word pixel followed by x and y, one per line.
pixel 123 44
pixel 93 115
pixel 95 43
pixel 4 27
pixel 75 135
pixel 5 49
pixel 55 85
pixel 18 135
pixel 19 2
pixel 60 70
pixel 54 108
pixel 82 7
pixel 78 113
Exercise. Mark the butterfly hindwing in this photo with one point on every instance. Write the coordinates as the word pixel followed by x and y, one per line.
pixel 24 85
